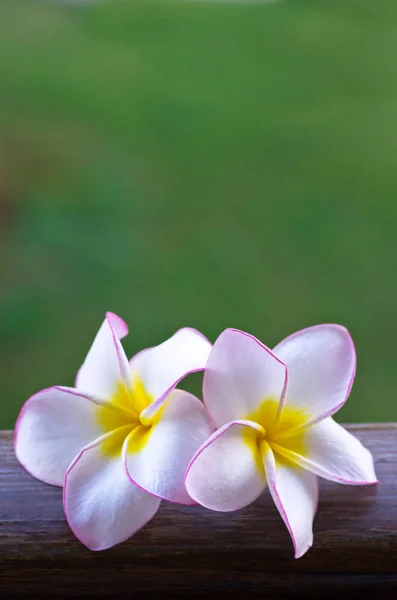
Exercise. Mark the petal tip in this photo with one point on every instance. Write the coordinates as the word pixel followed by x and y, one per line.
pixel 299 552
pixel 120 327
pixel 196 332
pixel 189 501
pixel 240 333
pixel 87 534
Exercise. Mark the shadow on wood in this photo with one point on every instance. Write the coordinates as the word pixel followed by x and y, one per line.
pixel 190 552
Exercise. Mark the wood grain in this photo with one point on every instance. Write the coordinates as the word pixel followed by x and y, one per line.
pixel 190 552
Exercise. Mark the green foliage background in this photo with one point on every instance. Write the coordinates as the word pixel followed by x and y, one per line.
pixel 198 164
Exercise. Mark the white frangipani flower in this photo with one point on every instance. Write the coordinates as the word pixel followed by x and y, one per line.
pixel 273 411
pixel 120 441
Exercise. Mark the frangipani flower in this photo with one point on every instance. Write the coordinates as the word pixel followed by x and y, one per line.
pixel 273 410
pixel 122 438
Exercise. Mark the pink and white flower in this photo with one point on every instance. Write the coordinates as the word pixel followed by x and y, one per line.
pixel 273 411
pixel 121 440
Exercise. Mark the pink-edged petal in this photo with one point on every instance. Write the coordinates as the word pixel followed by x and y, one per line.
pixel 321 363
pixel 295 494
pixel 102 506
pixel 52 427
pixel 241 373
pixel 227 472
pixel 106 363
pixel 334 453
pixel 157 455
pixel 160 368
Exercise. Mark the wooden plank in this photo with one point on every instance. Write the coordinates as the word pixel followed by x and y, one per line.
pixel 192 552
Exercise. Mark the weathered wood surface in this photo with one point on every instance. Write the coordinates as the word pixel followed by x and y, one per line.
pixel 194 553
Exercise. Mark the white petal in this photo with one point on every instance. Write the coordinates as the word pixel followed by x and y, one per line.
pixel 334 453
pixel 321 364
pixel 163 366
pixel 295 494
pixel 227 471
pixel 241 373
pixel 106 364
pixel 102 506
pixel 157 456
pixel 52 427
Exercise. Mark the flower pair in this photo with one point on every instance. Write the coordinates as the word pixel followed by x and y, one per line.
pixel 124 438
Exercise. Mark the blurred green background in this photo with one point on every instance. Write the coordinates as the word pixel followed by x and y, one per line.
pixel 198 164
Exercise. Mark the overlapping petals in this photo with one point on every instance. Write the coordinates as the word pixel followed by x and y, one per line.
pixel 122 439
pixel 226 473
pixel 331 452
pixel 240 372
pixel 185 352
pixel 103 508
pixel 52 427
pixel 179 426
pixel 295 494
pixel 273 412
pixel 321 364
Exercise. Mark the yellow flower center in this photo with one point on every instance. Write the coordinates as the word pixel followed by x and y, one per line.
pixel 122 416
pixel 283 432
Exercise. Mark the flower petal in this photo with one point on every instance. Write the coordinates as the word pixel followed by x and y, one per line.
pixel 333 453
pixel 321 363
pixel 227 472
pixel 157 455
pixel 106 363
pixel 52 427
pixel 295 494
pixel 241 373
pixel 102 506
pixel 162 367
